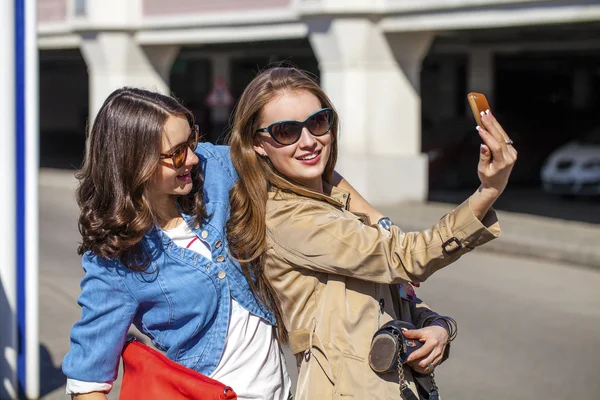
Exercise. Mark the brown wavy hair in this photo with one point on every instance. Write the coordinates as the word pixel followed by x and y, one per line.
pixel 121 159
pixel 246 228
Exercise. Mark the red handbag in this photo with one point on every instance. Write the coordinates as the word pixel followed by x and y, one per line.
pixel 147 374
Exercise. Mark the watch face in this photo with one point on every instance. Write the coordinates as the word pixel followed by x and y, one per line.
pixel 385 223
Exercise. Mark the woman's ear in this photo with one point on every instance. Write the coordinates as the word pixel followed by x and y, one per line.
pixel 258 148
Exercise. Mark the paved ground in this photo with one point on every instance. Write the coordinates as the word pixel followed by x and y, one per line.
pixel 528 328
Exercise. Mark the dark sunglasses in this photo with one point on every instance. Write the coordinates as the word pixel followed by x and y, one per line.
pixel 289 132
pixel 179 153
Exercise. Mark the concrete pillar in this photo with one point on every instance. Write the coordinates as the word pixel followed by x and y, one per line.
pixel 114 60
pixel 373 81
pixel 481 73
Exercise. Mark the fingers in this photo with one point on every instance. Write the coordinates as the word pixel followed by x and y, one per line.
pixel 434 358
pixel 424 351
pixel 485 157
pixel 491 123
pixel 487 120
pixel 492 126
pixel 413 333
pixel 428 363
pixel 492 144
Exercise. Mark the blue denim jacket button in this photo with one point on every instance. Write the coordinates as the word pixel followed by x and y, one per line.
pixel 204 234
pixel 222 274
pixel 220 259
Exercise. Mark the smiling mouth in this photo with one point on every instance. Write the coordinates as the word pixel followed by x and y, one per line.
pixel 309 156
pixel 185 176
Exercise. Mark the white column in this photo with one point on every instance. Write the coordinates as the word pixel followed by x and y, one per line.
pixel 481 73
pixel 373 81
pixel 114 60
pixel 31 236
pixel 8 285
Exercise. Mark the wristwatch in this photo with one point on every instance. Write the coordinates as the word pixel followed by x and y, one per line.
pixel 385 223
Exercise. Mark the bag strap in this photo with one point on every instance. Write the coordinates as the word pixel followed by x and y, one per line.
pixel 427 382
pixel 396 300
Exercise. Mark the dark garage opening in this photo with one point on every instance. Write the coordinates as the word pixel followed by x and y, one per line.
pixel 63 108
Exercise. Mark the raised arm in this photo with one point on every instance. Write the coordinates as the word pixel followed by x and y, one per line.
pixel 497 156
pixel 496 160
pixel 319 237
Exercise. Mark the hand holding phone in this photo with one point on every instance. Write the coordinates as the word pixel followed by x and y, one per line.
pixel 496 159
pixel 478 103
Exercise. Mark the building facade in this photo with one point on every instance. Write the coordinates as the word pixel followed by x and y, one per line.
pixel 394 69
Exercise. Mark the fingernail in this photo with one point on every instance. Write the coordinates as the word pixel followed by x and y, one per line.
pixel 403 329
pixel 481 113
pixel 478 128
pixel 487 112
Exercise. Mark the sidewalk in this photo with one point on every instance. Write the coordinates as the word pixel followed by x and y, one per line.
pixel 522 234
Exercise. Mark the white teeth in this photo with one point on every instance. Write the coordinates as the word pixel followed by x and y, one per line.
pixel 309 157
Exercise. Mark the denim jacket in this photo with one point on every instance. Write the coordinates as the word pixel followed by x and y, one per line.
pixel 182 301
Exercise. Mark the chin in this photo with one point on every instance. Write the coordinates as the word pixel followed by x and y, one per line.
pixel 183 191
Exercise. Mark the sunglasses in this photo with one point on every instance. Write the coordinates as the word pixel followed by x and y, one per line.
pixel 289 132
pixel 179 153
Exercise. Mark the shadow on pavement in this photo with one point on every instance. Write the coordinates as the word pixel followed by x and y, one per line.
pixel 5 338
pixel 51 376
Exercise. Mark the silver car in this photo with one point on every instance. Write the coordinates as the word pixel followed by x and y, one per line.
pixel 574 169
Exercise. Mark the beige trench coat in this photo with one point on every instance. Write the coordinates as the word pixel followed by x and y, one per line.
pixel 331 273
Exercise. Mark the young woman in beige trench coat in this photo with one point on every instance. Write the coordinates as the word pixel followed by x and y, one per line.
pixel 325 271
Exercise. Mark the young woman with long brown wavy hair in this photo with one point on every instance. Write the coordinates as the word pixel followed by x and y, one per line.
pixel 324 271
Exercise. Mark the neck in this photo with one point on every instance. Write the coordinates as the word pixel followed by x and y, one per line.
pixel 167 213
pixel 316 186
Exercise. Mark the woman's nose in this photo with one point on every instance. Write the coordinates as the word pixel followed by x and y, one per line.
pixel 306 138
pixel 191 158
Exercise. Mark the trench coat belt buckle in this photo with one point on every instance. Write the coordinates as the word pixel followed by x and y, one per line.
pixel 452 245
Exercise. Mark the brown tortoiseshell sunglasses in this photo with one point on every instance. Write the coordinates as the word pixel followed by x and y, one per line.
pixel 179 153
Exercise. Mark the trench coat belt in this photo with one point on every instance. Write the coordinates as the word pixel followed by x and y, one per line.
pixel 302 340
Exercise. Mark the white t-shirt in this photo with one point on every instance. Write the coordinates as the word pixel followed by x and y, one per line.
pixel 252 362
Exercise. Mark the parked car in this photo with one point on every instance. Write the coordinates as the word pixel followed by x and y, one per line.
pixel 574 169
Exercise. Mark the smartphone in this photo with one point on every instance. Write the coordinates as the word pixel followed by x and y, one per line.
pixel 478 103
